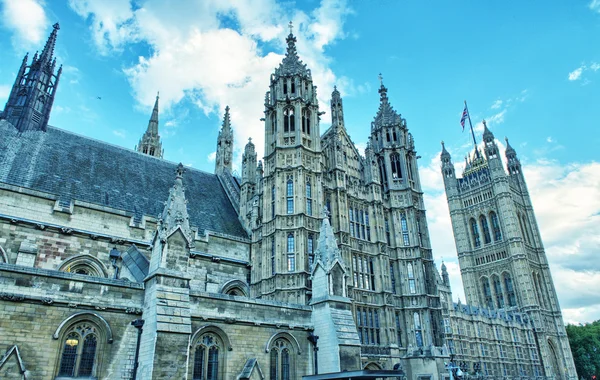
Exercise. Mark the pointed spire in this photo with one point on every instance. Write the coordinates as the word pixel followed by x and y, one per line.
pixel 175 213
pixel 382 90
pixel 335 94
pixel 153 123
pixel 328 251
pixel 48 51
pixel 510 151
pixel 226 126
pixel 291 64
pixel 444 152
pixel 488 136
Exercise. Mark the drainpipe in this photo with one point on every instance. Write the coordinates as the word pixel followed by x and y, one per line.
pixel 138 324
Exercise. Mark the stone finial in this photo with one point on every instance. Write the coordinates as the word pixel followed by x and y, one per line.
pixel 328 251
pixel 175 214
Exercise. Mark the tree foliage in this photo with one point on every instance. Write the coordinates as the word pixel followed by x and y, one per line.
pixel 585 346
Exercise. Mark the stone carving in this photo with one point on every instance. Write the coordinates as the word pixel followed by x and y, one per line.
pixel 12 297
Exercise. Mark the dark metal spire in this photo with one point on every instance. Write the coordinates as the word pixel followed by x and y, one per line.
pixel 48 52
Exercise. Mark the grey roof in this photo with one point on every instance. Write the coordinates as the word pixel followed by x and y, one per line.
pixel 73 167
pixel 136 262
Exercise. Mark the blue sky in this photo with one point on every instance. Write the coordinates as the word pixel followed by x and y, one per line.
pixel 532 70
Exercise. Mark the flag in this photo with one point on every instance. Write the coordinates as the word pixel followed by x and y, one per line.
pixel 464 117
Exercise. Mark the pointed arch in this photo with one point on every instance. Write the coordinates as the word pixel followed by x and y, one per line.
pixel 3 256
pixel 207 351
pixel 239 287
pixel 373 366
pixel 554 361
pixel 287 336
pixel 84 264
pixel 487 292
pixel 498 291
pixel 214 329
pixel 485 228
pixel 289 120
pixel 85 315
pixel 511 298
pixel 475 233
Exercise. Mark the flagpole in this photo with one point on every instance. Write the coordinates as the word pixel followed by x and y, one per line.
pixel 472 133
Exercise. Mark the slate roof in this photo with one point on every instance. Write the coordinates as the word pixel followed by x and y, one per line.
pixel 74 167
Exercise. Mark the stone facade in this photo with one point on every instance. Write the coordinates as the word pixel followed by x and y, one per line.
pixel 235 278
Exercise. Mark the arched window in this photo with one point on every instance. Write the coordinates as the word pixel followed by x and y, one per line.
pixel 288 120
pixel 294 86
pixel 273 267
pixel 396 168
pixel 285 86
pixel 523 233
pixel 306 121
pixel 411 279
pixel 510 291
pixel 22 98
pixel 84 264
pixel 290 196
pixel 496 226
pixel 486 229
pixel 526 229
pixel 394 135
pixel 487 292
pixel 273 123
pixel 404 226
pixel 418 330
pixel 281 360
pixel 382 172
pixel 208 363
pixel 79 356
pixel 498 291
pixel 475 233
pixel 152 151
pixel 39 104
pixel 308 198
pixel 387 136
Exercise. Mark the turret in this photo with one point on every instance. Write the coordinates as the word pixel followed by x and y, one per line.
pixel 491 151
pixel 513 165
pixel 249 164
pixel 150 143
pixel 337 109
pixel 448 172
pixel 32 96
pixel 224 145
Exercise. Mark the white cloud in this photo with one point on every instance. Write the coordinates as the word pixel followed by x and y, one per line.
pixel 497 104
pixel 195 54
pixel 595 66
pixel 212 157
pixel 595 5
pixel 27 19
pixel 549 139
pixel 576 74
pixel 119 133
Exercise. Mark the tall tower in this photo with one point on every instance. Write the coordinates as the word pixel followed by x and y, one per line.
pixel 291 190
pixel 500 251
pixel 150 142
pixel 32 95
pixel 404 232
pixel 224 145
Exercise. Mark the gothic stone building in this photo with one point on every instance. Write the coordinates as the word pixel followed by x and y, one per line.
pixel 234 278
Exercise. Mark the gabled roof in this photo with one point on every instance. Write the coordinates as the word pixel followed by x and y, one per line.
pixel 73 167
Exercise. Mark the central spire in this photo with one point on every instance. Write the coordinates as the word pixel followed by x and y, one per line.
pixel 291 64
pixel 48 51
pixel 150 142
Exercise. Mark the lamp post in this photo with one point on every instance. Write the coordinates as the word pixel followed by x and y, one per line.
pixel 115 255
pixel 138 324
pixel 454 370
pixel 313 339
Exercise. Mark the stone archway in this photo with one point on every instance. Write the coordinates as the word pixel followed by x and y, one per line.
pixel 556 372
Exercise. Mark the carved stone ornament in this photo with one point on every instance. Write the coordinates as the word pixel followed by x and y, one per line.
pixel 12 297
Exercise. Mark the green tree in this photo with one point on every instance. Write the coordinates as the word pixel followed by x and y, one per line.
pixel 585 346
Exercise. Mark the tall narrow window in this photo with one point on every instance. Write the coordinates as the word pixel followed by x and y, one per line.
pixel 475 233
pixel 498 291
pixel 487 292
pixel 282 365
pixel 351 221
pixel 393 278
pixel 207 358
pixel 293 86
pixel 388 236
pixel 308 198
pixel 310 251
pixel 404 226
pixel 411 278
pixel 382 172
pixel 418 330
pixel 79 352
pixel 363 272
pixel 273 123
pixel 496 226
pixel 291 257
pixel 288 120
pixel 306 121
pixel 486 230
pixel 409 167
pixel 398 330
pixel 396 166
pixel 510 291
pixel 273 201
pixel 290 196
pixel 273 268
pixel 419 232
pixel 368 225
pixel 367 322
